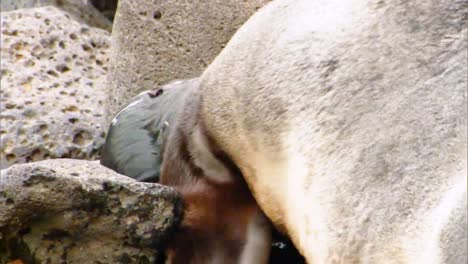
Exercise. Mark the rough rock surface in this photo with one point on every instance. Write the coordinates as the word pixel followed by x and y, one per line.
pixel 74 211
pixel 80 10
pixel 154 42
pixel 53 73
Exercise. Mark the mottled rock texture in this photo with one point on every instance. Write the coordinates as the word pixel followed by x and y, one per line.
pixel 52 78
pixel 72 211
pixel 154 42
pixel 80 10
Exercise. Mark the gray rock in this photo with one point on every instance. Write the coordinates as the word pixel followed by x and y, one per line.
pixel 74 211
pixel 80 10
pixel 53 75
pixel 154 42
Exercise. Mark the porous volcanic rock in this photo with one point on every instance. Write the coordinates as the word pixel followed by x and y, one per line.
pixel 154 42
pixel 53 72
pixel 75 211
pixel 80 10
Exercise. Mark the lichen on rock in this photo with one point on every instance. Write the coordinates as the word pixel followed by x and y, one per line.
pixel 72 211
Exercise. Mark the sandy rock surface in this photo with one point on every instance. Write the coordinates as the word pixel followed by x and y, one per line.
pixel 72 211
pixel 154 42
pixel 53 72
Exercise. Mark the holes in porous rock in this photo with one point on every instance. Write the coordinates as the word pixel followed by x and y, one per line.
pixel 81 138
pixel 10 33
pixel 47 21
pixel 63 92
pixel 157 15
pixel 45 137
pixel 10 105
pixel 62 68
pixel 70 108
pixel 4 72
pixel 48 42
pixel 142 13
pixel 17 46
pixel 62 44
pixel 10 157
pixel 99 62
pixel 7 117
pixel 36 155
pixel 10 201
pixel 53 73
pixel 42 128
pixel 73 120
pixel 73 36
pixel 86 47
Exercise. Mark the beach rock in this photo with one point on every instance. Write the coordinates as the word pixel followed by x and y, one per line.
pixel 53 73
pixel 75 211
pixel 154 42
pixel 80 10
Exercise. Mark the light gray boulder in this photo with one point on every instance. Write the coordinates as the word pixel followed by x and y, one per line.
pixel 75 211
pixel 53 72
pixel 154 42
